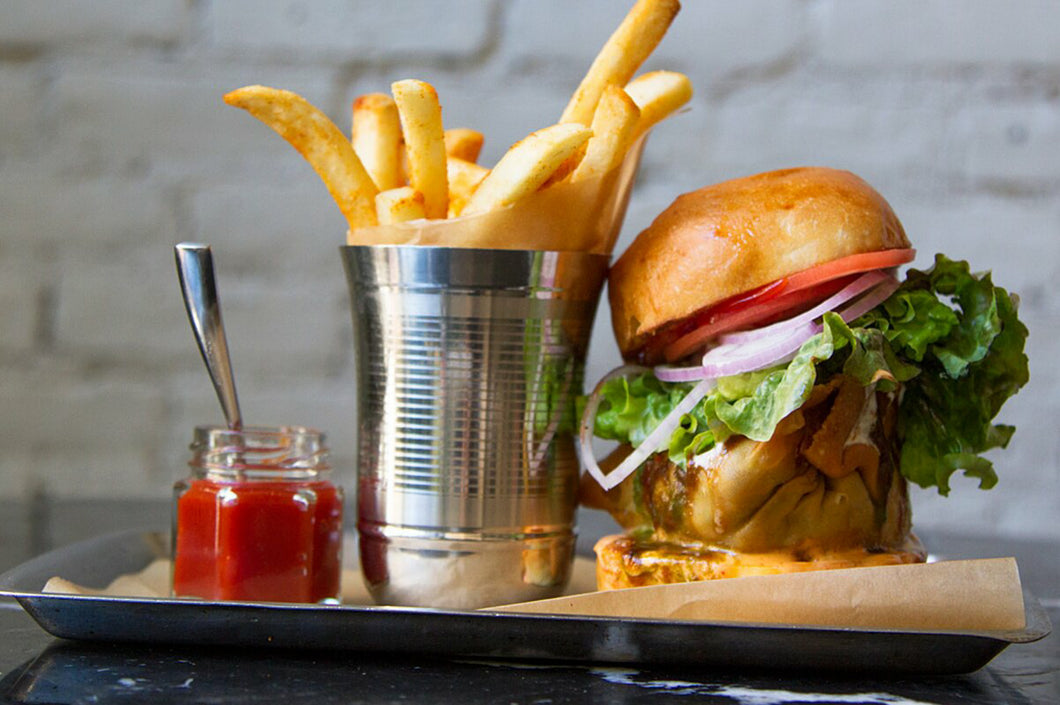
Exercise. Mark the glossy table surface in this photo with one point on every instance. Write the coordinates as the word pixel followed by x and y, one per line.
pixel 38 668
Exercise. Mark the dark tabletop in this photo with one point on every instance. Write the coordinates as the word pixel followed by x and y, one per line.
pixel 38 668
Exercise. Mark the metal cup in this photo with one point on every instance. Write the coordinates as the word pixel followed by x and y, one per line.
pixel 469 363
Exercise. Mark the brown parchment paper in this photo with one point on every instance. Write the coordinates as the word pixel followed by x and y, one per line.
pixel 970 595
pixel 583 216
pixel 154 581
pixel 964 596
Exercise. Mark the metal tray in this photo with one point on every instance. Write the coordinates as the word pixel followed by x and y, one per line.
pixel 465 634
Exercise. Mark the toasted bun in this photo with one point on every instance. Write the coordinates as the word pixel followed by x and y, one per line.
pixel 726 239
pixel 623 562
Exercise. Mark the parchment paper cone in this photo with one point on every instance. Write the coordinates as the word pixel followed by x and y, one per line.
pixel 582 217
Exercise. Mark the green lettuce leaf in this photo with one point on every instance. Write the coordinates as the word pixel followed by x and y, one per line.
pixel 945 419
pixel 951 337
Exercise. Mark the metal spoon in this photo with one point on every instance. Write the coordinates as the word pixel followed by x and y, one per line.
pixel 195 269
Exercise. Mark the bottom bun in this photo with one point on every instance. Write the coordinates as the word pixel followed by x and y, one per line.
pixel 623 562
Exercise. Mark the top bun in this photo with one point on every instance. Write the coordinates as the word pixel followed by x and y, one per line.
pixel 729 238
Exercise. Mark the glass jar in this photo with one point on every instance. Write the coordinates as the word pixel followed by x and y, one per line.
pixel 258 517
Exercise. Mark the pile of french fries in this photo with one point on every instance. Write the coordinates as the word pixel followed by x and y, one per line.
pixel 400 164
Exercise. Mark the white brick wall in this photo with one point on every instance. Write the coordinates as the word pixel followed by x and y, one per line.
pixel 934 34
pixel 115 144
pixel 22 86
pixel 109 25
pixel 345 31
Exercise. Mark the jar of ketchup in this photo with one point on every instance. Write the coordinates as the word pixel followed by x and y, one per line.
pixel 258 518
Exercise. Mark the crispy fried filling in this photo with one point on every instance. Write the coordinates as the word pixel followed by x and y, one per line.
pixel 826 481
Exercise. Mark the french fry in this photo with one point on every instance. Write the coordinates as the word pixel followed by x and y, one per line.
pixel 398 205
pixel 464 178
pixel 463 143
pixel 376 137
pixel 658 94
pixel 321 143
pixel 614 129
pixel 566 168
pixel 527 165
pixel 421 121
pixel 623 53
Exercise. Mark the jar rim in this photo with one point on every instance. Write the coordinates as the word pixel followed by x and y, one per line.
pixel 266 449
pixel 290 430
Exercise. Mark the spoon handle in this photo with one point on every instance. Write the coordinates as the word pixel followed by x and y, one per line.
pixel 195 269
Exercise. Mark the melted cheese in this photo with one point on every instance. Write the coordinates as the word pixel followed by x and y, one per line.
pixel 862 431
pixel 709 458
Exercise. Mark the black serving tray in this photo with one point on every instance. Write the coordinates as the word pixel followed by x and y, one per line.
pixel 471 634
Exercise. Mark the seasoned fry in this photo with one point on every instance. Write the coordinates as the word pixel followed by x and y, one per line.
pixel 658 94
pixel 463 143
pixel 398 205
pixel 622 54
pixel 377 140
pixel 464 178
pixel 321 143
pixel 566 168
pixel 421 121
pixel 614 128
pixel 399 163
pixel 527 165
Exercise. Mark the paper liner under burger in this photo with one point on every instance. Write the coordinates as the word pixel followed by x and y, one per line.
pixel 967 595
pixel 579 216
pixel 962 596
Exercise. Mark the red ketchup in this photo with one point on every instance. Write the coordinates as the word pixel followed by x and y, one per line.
pixel 258 519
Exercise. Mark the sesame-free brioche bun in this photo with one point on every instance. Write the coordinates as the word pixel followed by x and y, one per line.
pixel 729 238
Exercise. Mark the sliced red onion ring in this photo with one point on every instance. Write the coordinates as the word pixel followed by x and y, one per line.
pixel 858 286
pixel 648 445
pixel 735 358
pixel 669 373
pixel 742 357
pixel 870 300
pixel 588 420
pixel 754 350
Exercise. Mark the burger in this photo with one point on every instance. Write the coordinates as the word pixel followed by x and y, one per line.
pixel 783 386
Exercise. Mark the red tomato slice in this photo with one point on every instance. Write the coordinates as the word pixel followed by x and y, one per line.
pixel 716 321
pixel 767 303
pixel 851 264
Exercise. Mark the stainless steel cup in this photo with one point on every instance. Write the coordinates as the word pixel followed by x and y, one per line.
pixel 469 363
